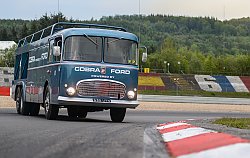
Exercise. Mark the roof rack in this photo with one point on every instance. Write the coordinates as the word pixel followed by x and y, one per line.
pixel 50 30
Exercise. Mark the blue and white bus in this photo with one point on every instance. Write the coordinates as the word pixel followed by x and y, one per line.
pixel 81 67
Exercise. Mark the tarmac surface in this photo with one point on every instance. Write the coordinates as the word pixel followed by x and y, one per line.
pixel 95 136
pixel 194 99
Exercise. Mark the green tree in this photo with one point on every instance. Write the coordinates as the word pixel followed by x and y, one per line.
pixel 8 57
pixel 24 31
pixel 4 35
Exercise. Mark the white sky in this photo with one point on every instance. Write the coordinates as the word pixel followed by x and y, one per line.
pixel 85 10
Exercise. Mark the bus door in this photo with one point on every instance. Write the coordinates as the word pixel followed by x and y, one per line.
pixel 23 70
pixel 32 81
pixel 53 70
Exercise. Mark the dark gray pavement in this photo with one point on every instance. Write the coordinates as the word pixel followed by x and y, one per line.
pixel 194 99
pixel 95 136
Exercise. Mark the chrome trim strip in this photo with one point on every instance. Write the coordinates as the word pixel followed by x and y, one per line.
pixel 90 100
pixel 48 65
pixel 109 65
pixel 85 64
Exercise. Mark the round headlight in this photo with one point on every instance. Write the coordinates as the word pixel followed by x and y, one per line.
pixel 70 91
pixel 131 94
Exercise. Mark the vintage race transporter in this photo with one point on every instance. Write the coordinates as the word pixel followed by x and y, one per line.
pixel 81 67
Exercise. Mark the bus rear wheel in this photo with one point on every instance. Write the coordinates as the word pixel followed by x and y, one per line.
pixel 51 111
pixel 34 109
pixel 22 107
pixel 117 114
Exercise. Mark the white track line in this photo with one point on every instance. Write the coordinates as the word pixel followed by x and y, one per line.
pixel 184 133
pixel 240 150
pixel 171 125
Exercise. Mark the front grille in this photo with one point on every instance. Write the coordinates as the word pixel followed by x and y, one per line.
pixel 101 88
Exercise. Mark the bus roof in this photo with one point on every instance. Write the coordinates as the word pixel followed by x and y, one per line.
pixel 58 27
pixel 97 32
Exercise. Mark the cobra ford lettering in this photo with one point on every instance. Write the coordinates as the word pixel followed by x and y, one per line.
pixel 81 67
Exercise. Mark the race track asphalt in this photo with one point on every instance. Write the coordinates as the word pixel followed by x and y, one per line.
pixel 93 137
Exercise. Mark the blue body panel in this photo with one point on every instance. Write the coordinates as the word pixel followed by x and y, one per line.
pixel 57 74
pixel 70 77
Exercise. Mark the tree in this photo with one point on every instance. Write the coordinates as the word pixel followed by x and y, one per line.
pixel 24 31
pixel 33 27
pixel 13 34
pixel 4 35
pixel 8 57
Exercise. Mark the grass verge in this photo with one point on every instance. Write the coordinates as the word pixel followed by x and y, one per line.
pixel 242 123
pixel 197 93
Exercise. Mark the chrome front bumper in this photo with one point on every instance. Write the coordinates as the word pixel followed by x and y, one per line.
pixel 89 102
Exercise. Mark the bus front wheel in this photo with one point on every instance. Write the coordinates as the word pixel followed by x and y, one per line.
pixel 117 114
pixel 72 112
pixel 82 113
pixel 51 111
pixel 75 112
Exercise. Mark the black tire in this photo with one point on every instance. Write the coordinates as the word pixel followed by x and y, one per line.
pixel 34 110
pixel 82 113
pixel 75 112
pixel 117 114
pixel 72 112
pixel 51 111
pixel 18 100
pixel 22 107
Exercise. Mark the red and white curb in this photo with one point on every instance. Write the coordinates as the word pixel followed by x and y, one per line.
pixel 184 140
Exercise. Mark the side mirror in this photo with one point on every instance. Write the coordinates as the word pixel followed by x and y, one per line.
pixel 56 51
pixel 144 57
pixel 144 54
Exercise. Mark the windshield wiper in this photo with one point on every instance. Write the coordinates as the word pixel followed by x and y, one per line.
pixel 90 39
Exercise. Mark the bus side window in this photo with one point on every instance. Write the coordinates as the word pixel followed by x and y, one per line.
pixel 51 44
pixel 17 66
pixel 24 65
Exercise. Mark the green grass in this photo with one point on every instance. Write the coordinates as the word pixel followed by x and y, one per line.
pixel 242 123
pixel 197 93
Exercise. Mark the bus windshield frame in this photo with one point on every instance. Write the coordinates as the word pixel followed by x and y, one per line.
pixel 83 48
pixel 120 51
pixel 101 49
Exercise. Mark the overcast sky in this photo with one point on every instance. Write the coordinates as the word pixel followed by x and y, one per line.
pixel 86 9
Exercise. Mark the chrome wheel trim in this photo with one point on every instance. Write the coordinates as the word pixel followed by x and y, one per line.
pixel 47 103
pixel 18 102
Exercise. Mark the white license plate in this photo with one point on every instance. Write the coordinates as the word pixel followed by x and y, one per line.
pixel 100 100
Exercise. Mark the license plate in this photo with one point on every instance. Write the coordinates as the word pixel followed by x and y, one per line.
pixel 99 100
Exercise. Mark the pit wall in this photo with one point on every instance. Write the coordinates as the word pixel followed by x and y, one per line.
pixel 194 82
pixel 153 81
pixel 6 77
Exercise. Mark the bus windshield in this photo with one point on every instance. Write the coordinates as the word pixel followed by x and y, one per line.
pixel 89 48
pixel 120 51
pixel 83 48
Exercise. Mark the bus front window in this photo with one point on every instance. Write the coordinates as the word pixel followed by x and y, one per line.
pixel 83 48
pixel 120 51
